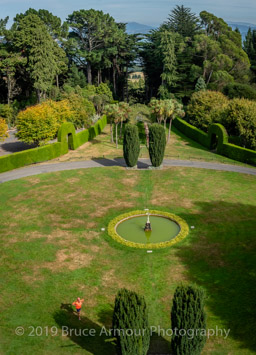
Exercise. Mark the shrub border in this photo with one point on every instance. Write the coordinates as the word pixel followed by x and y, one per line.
pixel 54 150
pixel 184 229
pixel 224 148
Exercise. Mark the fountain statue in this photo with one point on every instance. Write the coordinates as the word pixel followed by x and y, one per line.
pixel 147 227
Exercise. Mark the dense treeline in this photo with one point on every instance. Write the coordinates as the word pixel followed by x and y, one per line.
pixel 87 59
pixel 39 55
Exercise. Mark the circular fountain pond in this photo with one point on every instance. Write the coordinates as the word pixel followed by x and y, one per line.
pixel 165 229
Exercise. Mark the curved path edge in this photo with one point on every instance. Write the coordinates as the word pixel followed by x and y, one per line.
pixel 142 164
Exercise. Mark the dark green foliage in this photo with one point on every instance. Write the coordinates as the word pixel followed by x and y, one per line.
pixel 183 21
pixel 235 152
pixel 188 313
pixel 217 130
pixel 245 91
pixel 157 143
pixel 131 145
pixel 67 139
pixel 223 147
pixel 250 49
pixel 130 313
pixel 200 84
pixel 192 132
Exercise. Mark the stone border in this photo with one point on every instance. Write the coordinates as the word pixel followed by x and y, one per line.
pixel 184 229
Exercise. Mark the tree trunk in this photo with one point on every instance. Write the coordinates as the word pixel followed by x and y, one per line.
pixel 165 124
pixel 114 78
pixel 169 130
pixel 98 77
pixel 38 92
pixel 57 81
pixel 120 132
pixel 116 135
pixel 89 73
pixel 9 89
pixel 147 133
pixel 111 132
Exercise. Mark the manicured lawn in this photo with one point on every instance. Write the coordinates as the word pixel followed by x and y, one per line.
pixel 179 147
pixel 53 250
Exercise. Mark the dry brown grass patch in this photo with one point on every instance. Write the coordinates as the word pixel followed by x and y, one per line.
pixel 71 260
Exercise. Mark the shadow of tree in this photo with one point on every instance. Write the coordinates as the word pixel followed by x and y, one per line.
pixel 222 258
pixel 98 343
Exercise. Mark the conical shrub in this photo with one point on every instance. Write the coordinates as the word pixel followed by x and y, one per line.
pixel 130 323
pixel 188 321
pixel 157 143
pixel 131 145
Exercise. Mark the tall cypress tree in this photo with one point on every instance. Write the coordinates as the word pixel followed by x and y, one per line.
pixel 131 145
pixel 130 323
pixel 188 314
pixel 157 143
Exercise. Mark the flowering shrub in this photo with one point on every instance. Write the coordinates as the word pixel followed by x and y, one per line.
pixel 3 129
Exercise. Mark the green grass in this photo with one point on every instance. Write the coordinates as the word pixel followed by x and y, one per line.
pixel 53 250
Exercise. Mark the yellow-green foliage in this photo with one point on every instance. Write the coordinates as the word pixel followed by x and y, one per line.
pixel 239 119
pixel 83 110
pixel 62 110
pixel 3 129
pixel 184 229
pixel 38 124
pixel 204 107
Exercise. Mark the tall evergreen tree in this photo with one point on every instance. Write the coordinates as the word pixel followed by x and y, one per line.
pixel 38 47
pixel 183 21
pixel 130 323
pixel 91 33
pixel 157 143
pixel 131 145
pixel 169 74
pixel 188 315
pixel 250 48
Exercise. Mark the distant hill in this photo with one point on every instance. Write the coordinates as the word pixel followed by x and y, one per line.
pixel 242 26
pixel 134 27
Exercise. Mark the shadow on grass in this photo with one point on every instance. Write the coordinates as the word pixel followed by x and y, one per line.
pixel 222 258
pixel 78 332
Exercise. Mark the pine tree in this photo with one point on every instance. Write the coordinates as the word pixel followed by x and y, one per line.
pixel 169 74
pixel 157 143
pixel 130 323
pixel 188 315
pixel 131 145
pixel 183 21
pixel 200 85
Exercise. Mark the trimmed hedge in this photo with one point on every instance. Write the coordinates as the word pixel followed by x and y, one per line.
pixel 238 153
pixel 192 132
pixel 229 150
pixel 219 131
pixel 51 151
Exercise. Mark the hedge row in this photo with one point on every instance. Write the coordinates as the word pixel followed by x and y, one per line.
pixel 54 150
pixel 225 148
pixel 192 132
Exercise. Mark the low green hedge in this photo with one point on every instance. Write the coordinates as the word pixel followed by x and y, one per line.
pixel 192 132
pixel 30 156
pixel 54 150
pixel 239 153
pixel 225 148
pixel 218 130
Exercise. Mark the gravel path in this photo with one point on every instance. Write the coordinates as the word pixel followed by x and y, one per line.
pixel 142 164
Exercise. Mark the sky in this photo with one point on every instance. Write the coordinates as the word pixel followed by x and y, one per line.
pixel 149 12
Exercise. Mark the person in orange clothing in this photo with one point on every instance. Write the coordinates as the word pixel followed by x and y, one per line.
pixel 78 304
